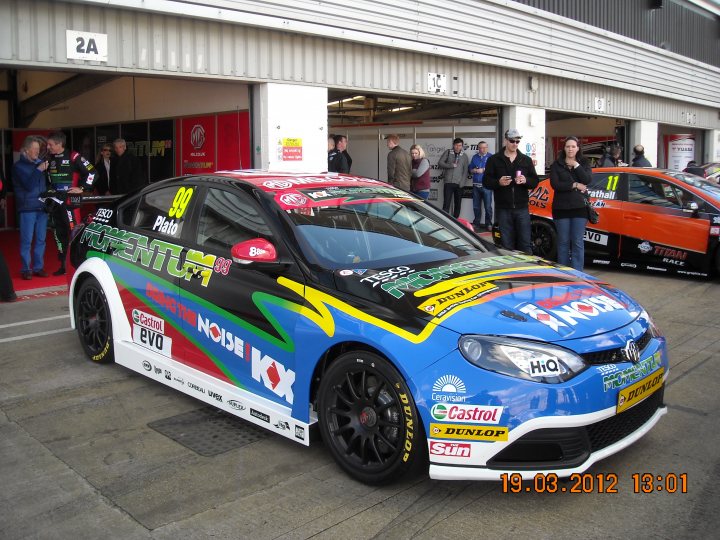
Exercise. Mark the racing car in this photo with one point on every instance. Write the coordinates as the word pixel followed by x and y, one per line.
pixel 344 305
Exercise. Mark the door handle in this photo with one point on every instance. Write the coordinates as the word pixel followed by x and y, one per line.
pixel 632 217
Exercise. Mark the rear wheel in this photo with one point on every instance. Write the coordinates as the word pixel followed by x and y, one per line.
pixel 368 418
pixel 93 323
pixel 544 239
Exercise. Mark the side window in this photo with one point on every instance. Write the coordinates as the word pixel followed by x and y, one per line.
pixel 654 191
pixel 229 217
pixel 165 210
pixel 606 186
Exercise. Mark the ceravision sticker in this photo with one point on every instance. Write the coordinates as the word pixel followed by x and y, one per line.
pixel 449 388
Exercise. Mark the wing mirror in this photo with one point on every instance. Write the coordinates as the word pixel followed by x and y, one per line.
pixel 466 223
pixel 691 207
pixel 253 251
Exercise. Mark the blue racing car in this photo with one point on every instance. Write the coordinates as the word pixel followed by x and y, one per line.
pixel 294 301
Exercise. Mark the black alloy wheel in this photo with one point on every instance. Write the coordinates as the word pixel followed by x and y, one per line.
pixel 93 323
pixel 368 418
pixel 544 239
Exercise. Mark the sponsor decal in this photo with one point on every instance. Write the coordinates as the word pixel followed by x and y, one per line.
pixel 168 375
pixel 282 425
pixel 386 275
pixel 670 253
pixel 449 388
pixel 598 204
pixel 170 304
pixel 627 397
pixel 293 199
pixel 602 194
pixel 646 247
pixel 300 433
pixel 544 367
pixel 600 261
pixel 423 278
pixel 151 322
pixel 196 387
pixel 657 269
pixel 714 231
pixel 716 220
pixel 287 183
pixel 235 404
pixel 631 374
pixel 628 265
pixel 487 414
pixel 539 197
pixel 439 448
pixel 265 369
pixel 606 369
pixel 147 366
pixel 569 314
pixel 345 273
pixel 179 380
pixel 674 262
pixel 158 371
pixel 215 396
pixel 595 238
pixel 152 340
pixel 702 274
pixel 474 433
pixel 103 215
pixel 456 297
pixel 154 254
pixel 260 415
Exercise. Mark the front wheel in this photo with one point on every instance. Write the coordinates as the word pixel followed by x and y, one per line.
pixel 368 418
pixel 93 323
pixel 544 239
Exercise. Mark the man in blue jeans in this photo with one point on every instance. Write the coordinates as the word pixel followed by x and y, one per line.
pixel 28 174
pixel 512 176
pixel 481 196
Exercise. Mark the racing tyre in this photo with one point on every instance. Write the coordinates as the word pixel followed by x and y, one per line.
pixel 544 239
pixel 93 323
pixel 368 418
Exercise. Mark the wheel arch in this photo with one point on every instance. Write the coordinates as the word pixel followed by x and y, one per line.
pixel 98 269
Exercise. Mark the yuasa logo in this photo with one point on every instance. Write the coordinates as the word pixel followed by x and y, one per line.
pixel 148 321
pixel 450 449
pixel 489 414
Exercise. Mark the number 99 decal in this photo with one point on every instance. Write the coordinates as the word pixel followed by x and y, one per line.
pixel 180 202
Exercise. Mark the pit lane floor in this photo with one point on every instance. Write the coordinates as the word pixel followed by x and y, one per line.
pixel 79 457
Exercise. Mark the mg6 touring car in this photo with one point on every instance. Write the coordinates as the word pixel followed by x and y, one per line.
pixel 650 219
pixel 295 301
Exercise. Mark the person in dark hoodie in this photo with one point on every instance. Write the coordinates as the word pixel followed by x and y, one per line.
pixel 570 175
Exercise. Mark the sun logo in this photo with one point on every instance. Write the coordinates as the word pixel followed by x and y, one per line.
pixel 450 384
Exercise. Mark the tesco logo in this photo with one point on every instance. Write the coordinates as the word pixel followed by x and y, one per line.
pixel 488 414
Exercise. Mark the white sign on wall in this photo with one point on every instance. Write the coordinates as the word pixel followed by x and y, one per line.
pixel 86 46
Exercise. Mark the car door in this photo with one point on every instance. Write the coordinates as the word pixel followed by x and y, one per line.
pixel 607 190
pixel 243 322
pixel 151 266
pixel 655 228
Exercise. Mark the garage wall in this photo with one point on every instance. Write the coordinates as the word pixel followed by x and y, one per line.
pixel 486 58
pixel 131 98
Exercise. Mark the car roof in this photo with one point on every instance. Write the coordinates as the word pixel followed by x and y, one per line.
pixel 271 182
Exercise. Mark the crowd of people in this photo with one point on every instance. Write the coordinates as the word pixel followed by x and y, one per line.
pixel 42 177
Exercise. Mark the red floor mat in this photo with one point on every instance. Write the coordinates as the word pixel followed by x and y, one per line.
pixel 10 245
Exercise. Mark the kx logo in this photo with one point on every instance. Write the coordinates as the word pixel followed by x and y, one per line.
pixel 273 375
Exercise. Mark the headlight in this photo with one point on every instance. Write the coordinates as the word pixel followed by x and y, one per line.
pixel 523 359
pixel 652 327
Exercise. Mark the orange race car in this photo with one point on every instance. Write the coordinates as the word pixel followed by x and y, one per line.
pixel 650 219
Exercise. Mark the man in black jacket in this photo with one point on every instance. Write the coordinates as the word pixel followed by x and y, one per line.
pixel 511 175
pixel 126 172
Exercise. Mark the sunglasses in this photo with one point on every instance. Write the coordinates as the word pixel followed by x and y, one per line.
pixel 514 141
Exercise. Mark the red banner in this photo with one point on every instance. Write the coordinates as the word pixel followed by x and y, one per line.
pixel 233 145
pixel 197 145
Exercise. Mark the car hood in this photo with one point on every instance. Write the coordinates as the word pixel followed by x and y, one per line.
pixel 517 295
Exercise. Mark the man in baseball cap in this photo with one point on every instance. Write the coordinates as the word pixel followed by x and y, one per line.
pixel 512 176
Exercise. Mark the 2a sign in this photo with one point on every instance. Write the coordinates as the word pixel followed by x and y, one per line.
pixel 86 46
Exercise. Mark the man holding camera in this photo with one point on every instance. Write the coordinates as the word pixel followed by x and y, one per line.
pixel 511 175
